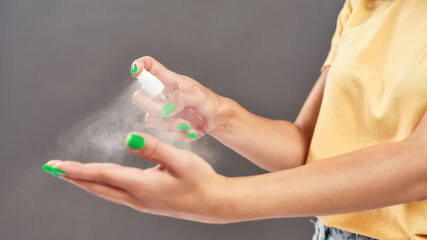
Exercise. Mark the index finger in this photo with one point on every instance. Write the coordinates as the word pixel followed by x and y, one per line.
pixel 127 178
pixel 169 78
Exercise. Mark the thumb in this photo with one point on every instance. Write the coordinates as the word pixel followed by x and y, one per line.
pixel 154 150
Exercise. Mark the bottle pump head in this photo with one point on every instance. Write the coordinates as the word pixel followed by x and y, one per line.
pixel 151 85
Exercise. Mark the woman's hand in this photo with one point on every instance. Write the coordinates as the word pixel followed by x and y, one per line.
pixel 182 185
pixel 271 144
pixel 188 93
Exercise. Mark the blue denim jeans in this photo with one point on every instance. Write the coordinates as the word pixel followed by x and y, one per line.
pixel 324 232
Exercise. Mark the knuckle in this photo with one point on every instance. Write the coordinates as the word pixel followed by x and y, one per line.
pixel 149 61
pixel 153 152
pixel 139 192
pixel 137 97
pixel 111 165
pixel 139 205
pixel 199 93
pixel 197 90
pixel 148 57
pixel 102 176
pixel 133 188
pixel 141 59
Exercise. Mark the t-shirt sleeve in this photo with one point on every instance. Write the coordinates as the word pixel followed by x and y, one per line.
pixel 343 16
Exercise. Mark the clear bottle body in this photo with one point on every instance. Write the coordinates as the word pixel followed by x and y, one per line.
pixel 197 122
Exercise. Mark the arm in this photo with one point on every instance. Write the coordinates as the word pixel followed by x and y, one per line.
pixel 246 133
pixel 272 144
pixel 182 185
pixel 373 177
pixel 287 143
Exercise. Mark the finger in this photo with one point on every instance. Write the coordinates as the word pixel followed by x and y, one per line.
pixel 105 173
pixel 107 192
pixel 146 103
pixel 179 99
pixel 167 108
pixel 152 149
pixel 194 97
pixel 184 136
pixel 168 124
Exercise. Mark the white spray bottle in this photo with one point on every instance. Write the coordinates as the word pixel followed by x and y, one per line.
pixel 159 93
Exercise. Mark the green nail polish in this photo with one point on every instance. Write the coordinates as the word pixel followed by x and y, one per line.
pixel 58 171
pixel 134 69
pixel 167 110
pixel 53 170
pixel 47 168
pixel 136 141
pixel 192 135
pixel 184 127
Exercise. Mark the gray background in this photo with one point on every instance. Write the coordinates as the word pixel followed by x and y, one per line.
pixel 61 60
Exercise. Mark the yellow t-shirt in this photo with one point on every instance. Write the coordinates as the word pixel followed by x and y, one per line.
pixel 376 91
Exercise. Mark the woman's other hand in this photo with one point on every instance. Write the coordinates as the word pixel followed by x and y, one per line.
pixel 182 185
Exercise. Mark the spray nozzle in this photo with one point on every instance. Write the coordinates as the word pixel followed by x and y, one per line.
pixel 150 83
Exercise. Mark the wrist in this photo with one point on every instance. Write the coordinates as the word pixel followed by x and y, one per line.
pixel 221 201
pixel 236 199
pixel 225 116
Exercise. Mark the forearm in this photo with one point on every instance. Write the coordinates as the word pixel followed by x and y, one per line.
pixel 373 177
pixel 270 144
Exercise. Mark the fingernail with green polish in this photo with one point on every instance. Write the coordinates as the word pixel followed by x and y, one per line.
pixel 192 135
pixel 58 171
pixel 47 168
pixel 167 110
pixel 136 141
pixel 134 69
pixel 184 127
pixel 53 170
